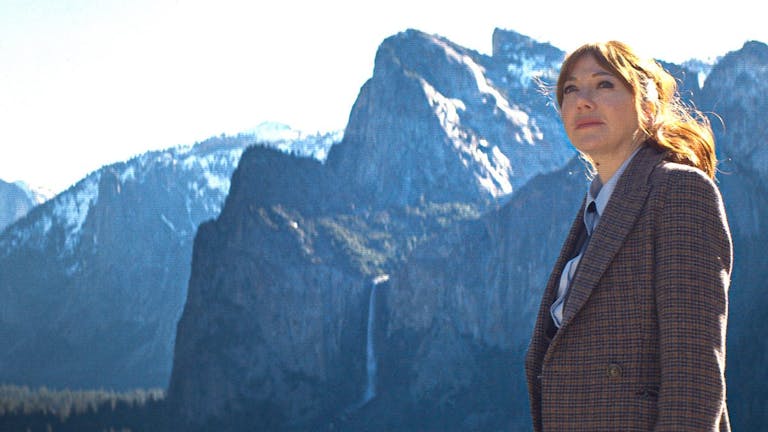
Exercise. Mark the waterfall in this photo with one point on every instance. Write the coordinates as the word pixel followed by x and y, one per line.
pixel 370 347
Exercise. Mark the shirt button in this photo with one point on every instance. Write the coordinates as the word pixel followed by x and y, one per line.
pixel 613 371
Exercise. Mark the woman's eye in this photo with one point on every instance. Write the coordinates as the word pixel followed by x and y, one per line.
pixel 605 84
pixel 569 89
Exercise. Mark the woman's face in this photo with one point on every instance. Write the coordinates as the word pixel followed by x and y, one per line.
pixel 598 112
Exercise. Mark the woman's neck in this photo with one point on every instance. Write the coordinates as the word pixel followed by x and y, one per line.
pixel 607 165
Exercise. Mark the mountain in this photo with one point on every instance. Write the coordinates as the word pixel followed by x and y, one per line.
pixel 95 278
pixel 736 90
pixel 394 287
pixel 272 334
pixel 15 202
pixel 440 122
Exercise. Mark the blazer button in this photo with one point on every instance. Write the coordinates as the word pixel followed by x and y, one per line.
pixel 613 371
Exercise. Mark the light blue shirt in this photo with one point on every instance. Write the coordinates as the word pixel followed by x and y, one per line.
pixel 598 195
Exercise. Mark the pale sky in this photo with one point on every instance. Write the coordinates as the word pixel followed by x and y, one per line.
pixel 87 83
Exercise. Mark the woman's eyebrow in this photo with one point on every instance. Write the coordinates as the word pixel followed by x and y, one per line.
pixel 596 74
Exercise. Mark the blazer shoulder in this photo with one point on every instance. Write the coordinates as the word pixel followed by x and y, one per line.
pixel 681 189
pixel 680 176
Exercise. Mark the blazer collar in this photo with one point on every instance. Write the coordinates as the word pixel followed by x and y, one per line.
pixel 617 221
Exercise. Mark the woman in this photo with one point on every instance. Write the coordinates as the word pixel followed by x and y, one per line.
pixel 630 335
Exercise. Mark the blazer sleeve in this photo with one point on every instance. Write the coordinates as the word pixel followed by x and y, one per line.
pixel 693 253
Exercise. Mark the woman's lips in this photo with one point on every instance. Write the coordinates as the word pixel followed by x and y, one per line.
pixel 581 124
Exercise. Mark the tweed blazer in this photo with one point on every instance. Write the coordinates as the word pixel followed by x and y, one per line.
pixel 642 341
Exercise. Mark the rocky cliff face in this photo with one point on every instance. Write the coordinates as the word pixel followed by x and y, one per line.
pixel 273 332
pixel 436 122
pixel 265 321
pixel 95 279
pixel 460 310
pixel 736 90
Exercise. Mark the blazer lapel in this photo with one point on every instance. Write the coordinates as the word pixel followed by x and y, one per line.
pixel 615 224
pixel 566 253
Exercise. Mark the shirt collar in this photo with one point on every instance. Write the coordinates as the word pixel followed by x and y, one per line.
pixel 600 193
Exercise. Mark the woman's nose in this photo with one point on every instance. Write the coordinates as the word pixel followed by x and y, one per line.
pixel 584 99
